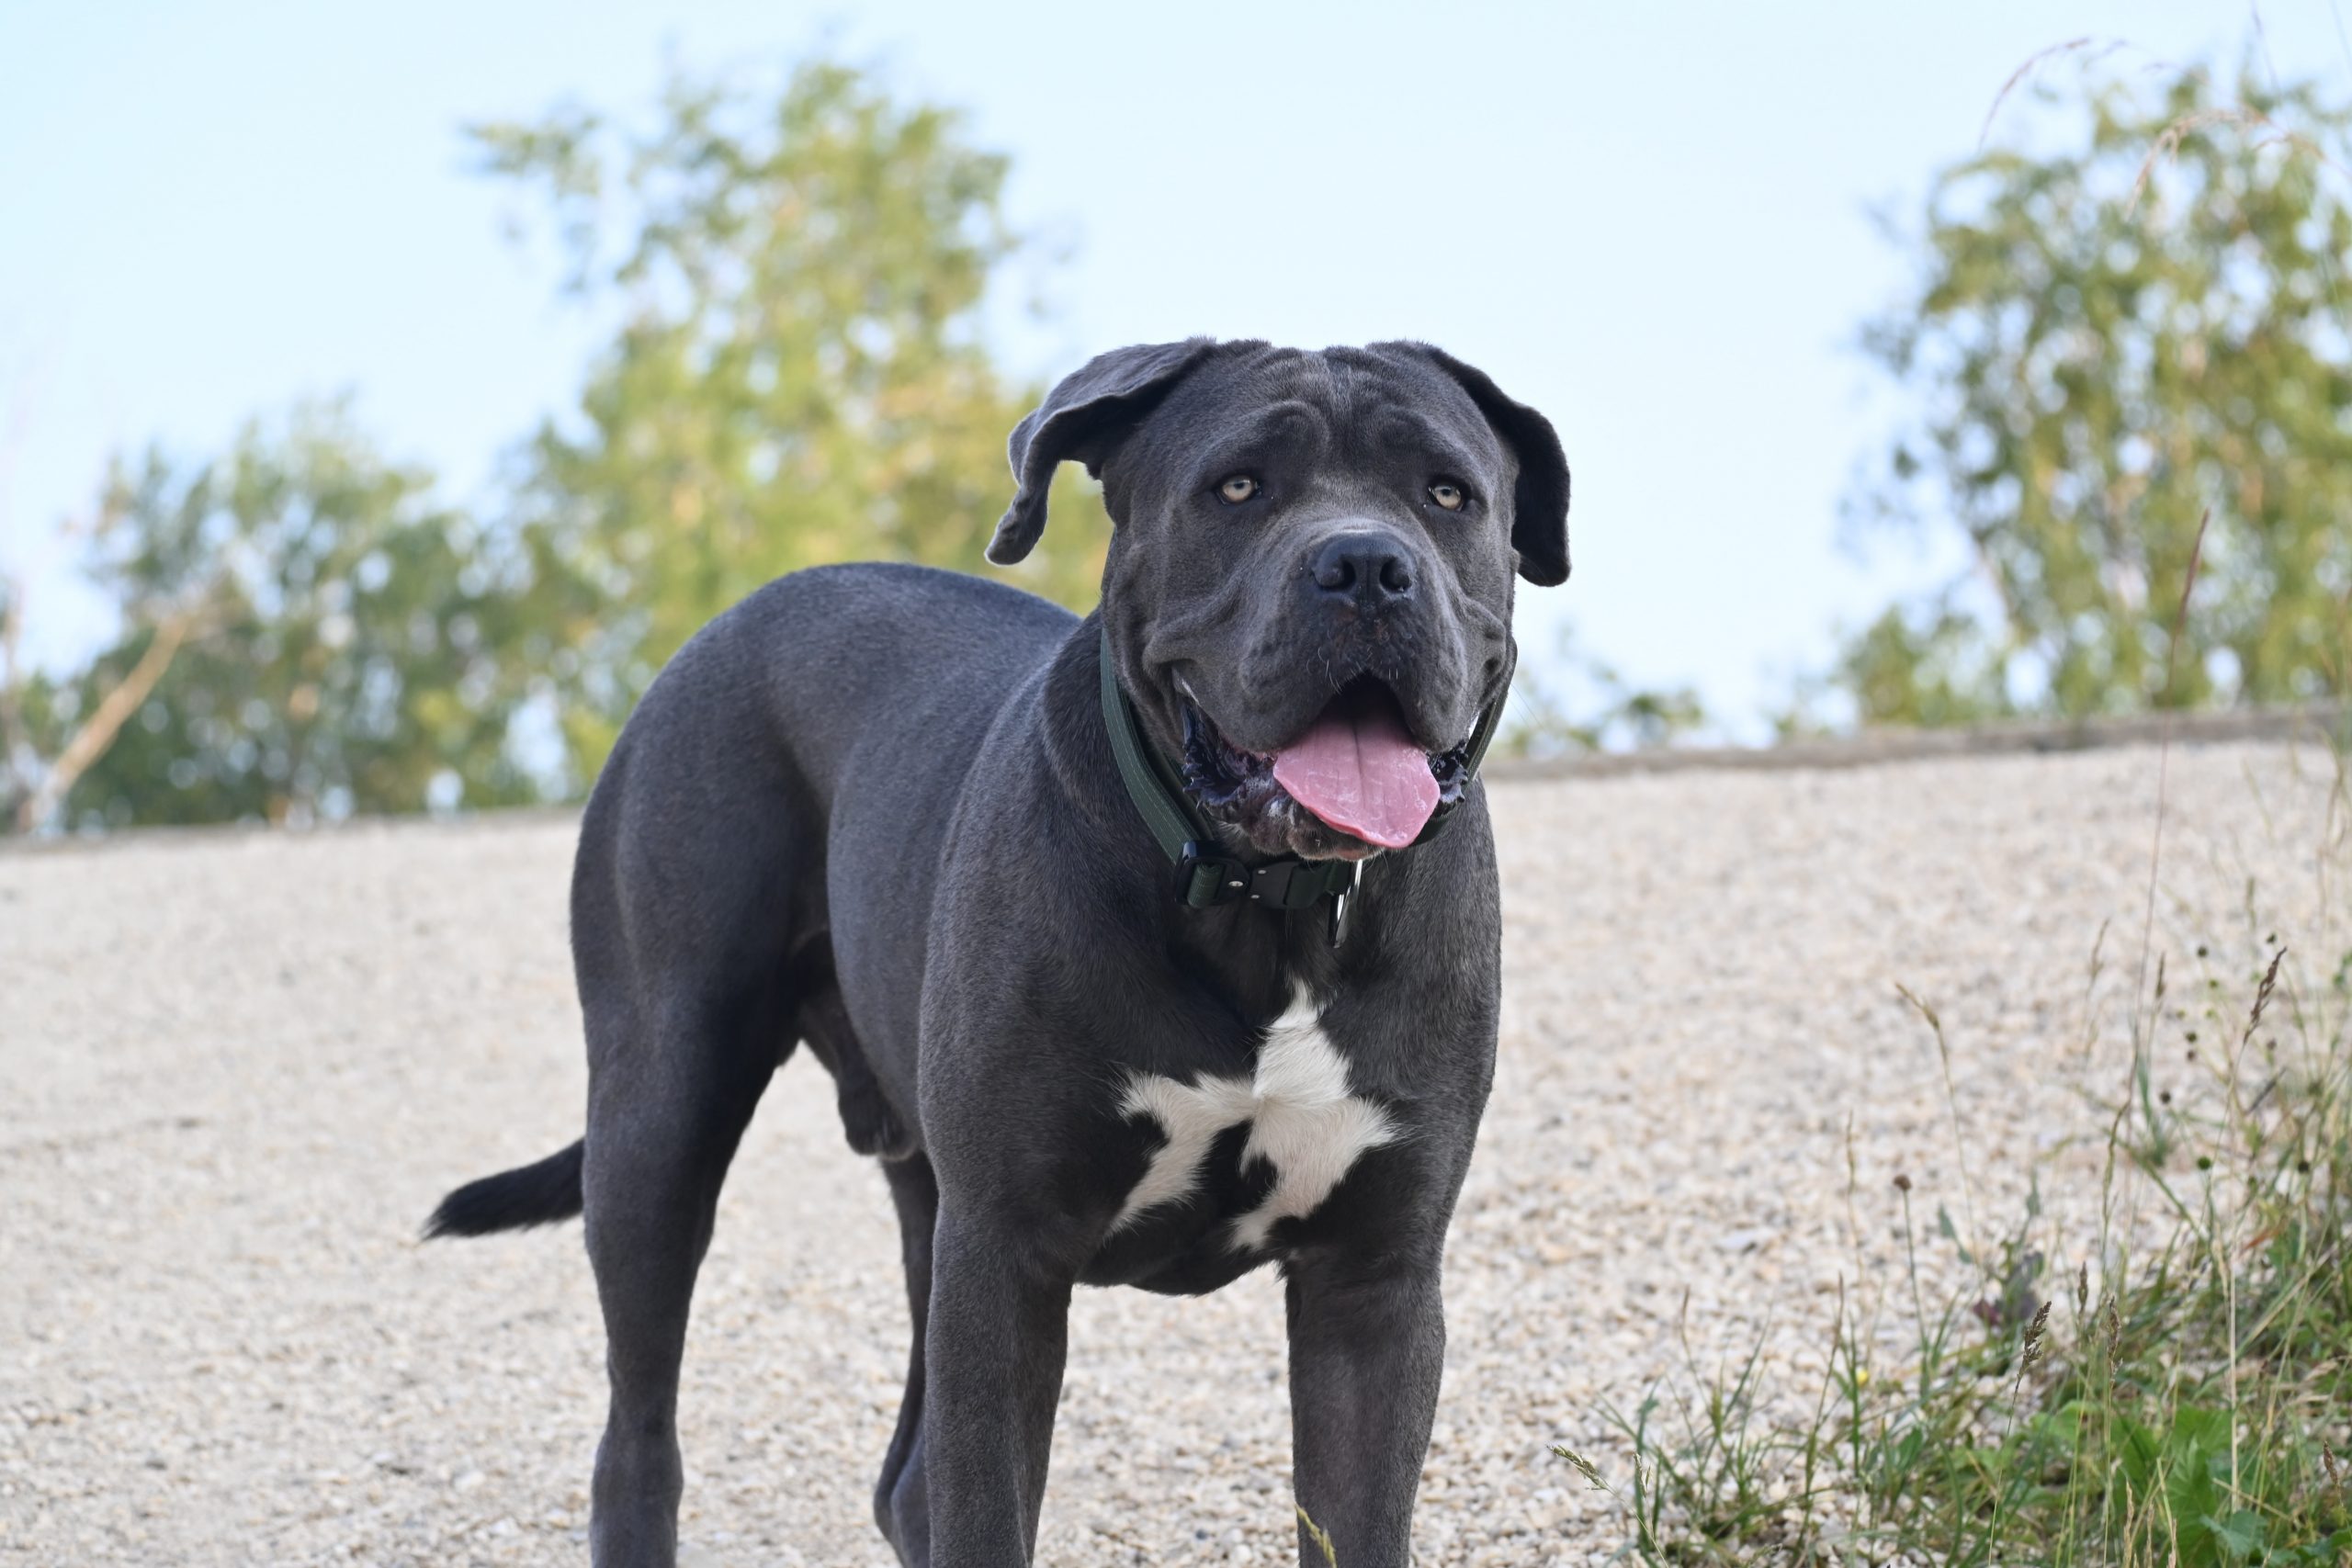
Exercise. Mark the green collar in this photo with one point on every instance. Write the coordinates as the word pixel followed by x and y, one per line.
pixel 1205 873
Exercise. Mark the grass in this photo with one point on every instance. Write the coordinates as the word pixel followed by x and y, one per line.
pixel 2175 1390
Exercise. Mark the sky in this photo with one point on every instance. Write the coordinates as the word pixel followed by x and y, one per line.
pixel 1652 222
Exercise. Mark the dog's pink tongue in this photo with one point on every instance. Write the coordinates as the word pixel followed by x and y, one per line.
pixel 1361 773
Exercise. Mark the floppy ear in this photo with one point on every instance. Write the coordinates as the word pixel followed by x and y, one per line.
pixel 1539 501
pixel 1083 418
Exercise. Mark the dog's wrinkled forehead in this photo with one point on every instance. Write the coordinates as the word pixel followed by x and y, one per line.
pixel 1329 409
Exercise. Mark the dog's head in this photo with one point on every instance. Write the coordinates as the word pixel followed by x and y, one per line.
pixel 1309 589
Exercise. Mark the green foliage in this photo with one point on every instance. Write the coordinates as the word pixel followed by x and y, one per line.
pixel 2112 345
pixel 348 646
pixel 798 375
pixel 1589 707
pixel 1922 666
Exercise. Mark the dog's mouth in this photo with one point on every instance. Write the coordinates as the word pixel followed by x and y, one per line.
pixel 1355 782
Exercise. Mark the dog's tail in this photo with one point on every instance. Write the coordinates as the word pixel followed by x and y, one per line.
pixel 538 1194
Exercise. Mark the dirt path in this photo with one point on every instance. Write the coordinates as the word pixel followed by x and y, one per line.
pixel 240 1067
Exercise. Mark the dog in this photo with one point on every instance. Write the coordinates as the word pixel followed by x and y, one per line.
pixel 1144 949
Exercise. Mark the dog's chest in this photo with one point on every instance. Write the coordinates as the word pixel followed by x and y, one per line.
pixel 1238 1154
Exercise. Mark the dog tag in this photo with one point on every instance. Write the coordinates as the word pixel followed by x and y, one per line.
pixel 1343 903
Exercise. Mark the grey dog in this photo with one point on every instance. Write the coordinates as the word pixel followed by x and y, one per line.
pixel 1145 949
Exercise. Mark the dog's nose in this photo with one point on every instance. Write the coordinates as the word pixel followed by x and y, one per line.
pixel 1369 569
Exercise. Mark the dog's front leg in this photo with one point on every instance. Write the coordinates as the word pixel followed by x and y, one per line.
pixel 994 1354
pixel 1366 1351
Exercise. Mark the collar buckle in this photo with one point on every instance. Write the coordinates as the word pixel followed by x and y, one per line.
pixel 1205 877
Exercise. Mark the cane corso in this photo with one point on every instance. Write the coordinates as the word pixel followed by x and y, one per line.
pixel 1145 949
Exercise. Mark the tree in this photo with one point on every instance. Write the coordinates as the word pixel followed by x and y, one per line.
pixel 798 376
pixel 309 635
pixel 2118 348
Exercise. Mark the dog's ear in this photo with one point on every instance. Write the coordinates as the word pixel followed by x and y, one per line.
pixel 1539 501
pixel 1082 419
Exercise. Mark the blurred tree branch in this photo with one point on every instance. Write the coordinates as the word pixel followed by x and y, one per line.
pixel 90 739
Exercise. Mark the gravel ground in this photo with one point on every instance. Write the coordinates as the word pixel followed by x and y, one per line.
pixel 240 1067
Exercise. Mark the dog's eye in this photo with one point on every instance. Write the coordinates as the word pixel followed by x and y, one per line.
pixel 1448 494
pixel 1237 489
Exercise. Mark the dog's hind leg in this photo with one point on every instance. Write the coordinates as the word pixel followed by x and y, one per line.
pixel 874 1127
pixel 697 876
pixel 901 1504
pixel 664 1122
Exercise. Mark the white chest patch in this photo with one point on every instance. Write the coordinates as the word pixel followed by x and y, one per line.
pixel 1304 1121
